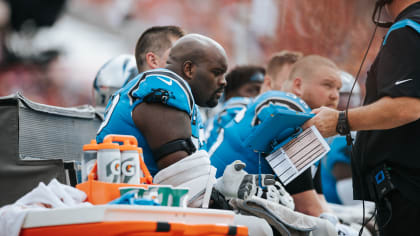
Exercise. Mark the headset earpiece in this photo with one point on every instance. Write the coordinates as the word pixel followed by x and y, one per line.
pixel 383 2
pixel 378 8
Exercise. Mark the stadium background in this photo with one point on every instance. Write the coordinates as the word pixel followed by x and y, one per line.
pixel 51 50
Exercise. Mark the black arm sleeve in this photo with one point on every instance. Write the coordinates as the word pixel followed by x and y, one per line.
pixel 302 183
pixel 317 180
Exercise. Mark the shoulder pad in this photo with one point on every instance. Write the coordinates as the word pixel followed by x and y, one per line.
pixel 279 99
pixel 273 100
pixel 173 90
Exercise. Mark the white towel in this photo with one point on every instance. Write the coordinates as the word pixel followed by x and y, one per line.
pixel 53 195
pixel 194 172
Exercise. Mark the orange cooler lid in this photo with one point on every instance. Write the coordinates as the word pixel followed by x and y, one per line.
pixel 129 148
pixel 108 144
pixel 92 146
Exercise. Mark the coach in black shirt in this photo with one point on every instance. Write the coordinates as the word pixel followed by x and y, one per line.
pixel 389 125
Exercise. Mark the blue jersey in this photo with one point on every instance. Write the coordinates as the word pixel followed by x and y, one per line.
pixel 339 153
pixel 229 110
pixel 175 92
pixel 230 142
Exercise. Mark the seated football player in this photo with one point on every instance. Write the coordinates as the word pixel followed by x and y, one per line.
pixel 159 107
pixel 313 79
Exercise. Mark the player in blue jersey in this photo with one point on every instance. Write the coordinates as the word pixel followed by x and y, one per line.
pixel 278 70
pixel 316 81
pixel 243 83
pixel 159 107
pixel 233 136
pixel 194 75
pixel 215 124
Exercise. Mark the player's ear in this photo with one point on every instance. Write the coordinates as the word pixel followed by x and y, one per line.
pixel 152 60
pixel 266 84
pixel 188 68
pixel 297 86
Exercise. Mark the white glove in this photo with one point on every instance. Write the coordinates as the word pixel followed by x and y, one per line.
pixel 232 179
pixel 342 230
pixel 237 183
pixel 277 193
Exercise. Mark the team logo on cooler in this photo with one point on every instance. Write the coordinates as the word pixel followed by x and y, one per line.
pixel 128 169
pixel 113 169
pixel 89 166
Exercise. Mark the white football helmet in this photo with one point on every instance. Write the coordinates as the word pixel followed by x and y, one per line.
pixel 347 81
pixel 111 77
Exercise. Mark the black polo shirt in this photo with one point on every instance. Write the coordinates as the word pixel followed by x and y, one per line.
pixel 394 73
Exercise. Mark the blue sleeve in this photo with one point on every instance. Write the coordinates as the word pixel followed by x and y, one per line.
pixel 339 153
pixel 175 91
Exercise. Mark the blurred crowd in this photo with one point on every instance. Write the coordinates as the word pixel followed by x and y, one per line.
pixel 33 63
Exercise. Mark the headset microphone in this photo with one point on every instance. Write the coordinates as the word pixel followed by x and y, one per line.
pixel 378 8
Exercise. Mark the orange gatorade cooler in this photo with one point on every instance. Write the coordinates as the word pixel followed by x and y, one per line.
pixel 100 192
pixel 109 161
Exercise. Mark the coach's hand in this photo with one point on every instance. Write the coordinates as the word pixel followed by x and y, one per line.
pixel 325 121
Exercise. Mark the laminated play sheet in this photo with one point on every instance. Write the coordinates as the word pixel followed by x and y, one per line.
pixel 289 161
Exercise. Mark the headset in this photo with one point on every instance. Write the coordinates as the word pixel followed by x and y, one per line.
pixel 378 8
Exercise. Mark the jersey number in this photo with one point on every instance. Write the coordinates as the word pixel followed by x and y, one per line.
pixel 109 112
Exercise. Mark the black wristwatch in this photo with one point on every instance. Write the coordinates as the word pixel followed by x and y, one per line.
pixel 343 127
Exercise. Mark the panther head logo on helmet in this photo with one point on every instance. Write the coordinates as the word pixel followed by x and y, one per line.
pixel 111 77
